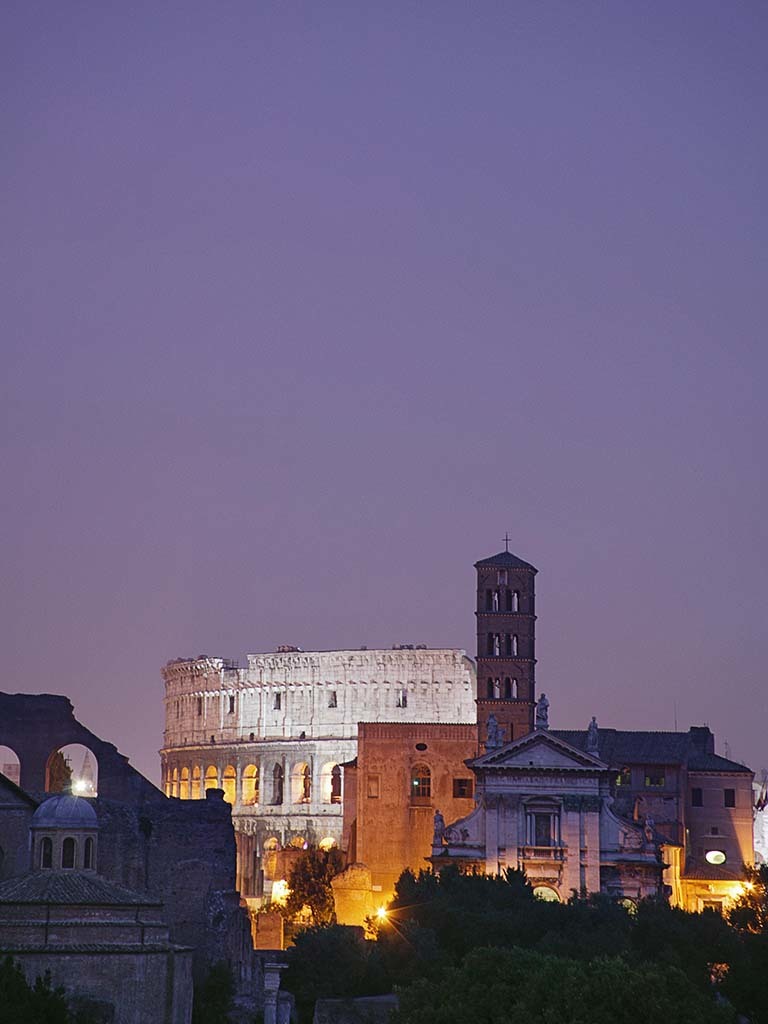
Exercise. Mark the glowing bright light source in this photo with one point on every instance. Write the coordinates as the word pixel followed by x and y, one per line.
pixel 715 857
pixel 381 913
pixel 280 891
pixel 79 786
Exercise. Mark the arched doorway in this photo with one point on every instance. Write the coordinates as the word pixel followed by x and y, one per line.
pixel 72 767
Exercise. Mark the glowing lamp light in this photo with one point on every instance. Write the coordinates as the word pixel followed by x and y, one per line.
pixel 79 786
pixel 714 857
pixel 381 913
pixel 280 891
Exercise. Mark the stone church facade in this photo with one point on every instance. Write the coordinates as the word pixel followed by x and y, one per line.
pixel 274 734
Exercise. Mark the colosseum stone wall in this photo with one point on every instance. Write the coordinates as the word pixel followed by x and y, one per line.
pixel 273 733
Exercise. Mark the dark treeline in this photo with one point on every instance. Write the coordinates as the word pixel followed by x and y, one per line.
pixel 483 948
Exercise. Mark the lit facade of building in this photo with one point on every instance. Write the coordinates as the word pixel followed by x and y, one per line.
pixel 273 734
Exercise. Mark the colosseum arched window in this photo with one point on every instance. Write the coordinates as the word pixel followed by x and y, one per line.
pixel 250 785
pixel 229 784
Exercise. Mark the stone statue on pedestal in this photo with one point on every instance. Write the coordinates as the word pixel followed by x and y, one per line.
pixel 438 829
pixel 542 712
pixel 593 737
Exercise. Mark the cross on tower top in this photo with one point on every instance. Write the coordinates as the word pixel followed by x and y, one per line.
pixel 506 542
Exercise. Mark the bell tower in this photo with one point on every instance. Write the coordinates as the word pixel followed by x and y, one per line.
pixel 506 651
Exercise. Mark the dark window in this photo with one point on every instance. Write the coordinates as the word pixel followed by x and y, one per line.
pixel 68 853
pixel 402 699
pixel 507 687
pixel 488 600
pixel 507 644
pixel 714 830
pixel 277 703
pixel 462 788
pixel 88 854
pixel 213 739
pixel 306 785
pixel 654 778
pixel 490 643
pixel 697 797
pixel 231 705
pixel 46 853
pixel 730 797
pixel 251 736
pixel 332 700
pixel 421 785
pixel 336 785
pixel 542 830
pixel 490 688
pixel 199 705
pixel 277 784
pixel 510 602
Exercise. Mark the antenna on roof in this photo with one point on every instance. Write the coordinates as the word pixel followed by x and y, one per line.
pixel 674 712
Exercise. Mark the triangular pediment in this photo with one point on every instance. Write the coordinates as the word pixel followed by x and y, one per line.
pixel 538 749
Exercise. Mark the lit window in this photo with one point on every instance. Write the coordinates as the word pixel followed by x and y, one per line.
pixel 729 797
pixel 654 778
pixel 624 778
pixel 546 893
pixel 421 785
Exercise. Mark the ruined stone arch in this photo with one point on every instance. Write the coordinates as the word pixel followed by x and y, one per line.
pixel 184 784
pixel 72 765
pixel 10 764
pixel 211 777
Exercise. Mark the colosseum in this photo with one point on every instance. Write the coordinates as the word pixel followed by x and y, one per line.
pixel 272 734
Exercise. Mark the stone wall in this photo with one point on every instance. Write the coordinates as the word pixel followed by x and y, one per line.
pixel 390 827
pixel 141 986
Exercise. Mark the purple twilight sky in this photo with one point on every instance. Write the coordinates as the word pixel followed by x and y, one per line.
pixel 304 305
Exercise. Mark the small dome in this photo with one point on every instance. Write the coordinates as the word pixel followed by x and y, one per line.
pixel 64 811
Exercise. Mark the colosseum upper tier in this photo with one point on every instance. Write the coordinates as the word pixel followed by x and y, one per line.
pixel 273 734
